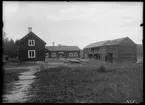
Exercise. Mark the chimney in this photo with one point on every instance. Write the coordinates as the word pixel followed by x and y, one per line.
pixel 29 29
pixel 53 43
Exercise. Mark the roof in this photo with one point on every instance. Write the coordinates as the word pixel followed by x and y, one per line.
pixel 107 42
pixel 31 33
pixel 96 44
pixel 115 41
pixel 62 48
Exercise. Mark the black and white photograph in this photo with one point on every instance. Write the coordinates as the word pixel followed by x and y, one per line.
pixel 72 52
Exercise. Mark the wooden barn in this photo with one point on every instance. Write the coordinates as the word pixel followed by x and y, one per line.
pixel 117 50
pixel 31 47
pixel 62 51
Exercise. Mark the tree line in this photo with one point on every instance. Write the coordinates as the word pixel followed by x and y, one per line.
pixel 9 46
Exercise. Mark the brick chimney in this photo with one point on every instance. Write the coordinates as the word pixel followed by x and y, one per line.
pixel 29 29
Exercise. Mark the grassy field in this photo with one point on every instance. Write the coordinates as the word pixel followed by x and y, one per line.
pixel 11 73
pixel 83 83
pixel 12 65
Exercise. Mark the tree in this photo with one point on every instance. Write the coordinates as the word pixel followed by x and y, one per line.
pixel 9 46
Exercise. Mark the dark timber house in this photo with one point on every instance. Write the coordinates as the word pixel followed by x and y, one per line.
pixel 117 50
pixel 62 51
pixel 31 47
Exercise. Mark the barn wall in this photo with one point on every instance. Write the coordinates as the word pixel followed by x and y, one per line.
pixel 127 51
pixel 86 51
pixel 139 50
pixel 66 54
pixel 114 50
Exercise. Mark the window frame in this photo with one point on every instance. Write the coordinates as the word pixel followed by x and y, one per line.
pixel 52 54
pixel 31 42
pixel 30 54
pixel 75 54
pixel 70 54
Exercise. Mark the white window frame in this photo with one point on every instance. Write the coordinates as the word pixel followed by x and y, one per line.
pixel 47 55
pixel 31 42
pixel 70 54
pixel 53 54
pixel 29 55
pixel 76 54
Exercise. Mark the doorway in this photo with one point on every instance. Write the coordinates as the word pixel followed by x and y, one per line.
pixel 97 56
pixel 61 56
pixel 110 57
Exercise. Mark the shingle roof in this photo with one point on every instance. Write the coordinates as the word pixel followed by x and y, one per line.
pixel 62 48
pixel 107 42
pixel 31 33
pixel 96 44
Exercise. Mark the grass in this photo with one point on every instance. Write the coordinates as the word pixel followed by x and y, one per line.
pixel 11 75
pixel 11 65
pixel 86 84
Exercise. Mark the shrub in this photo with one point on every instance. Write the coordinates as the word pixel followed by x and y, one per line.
pixel 102 69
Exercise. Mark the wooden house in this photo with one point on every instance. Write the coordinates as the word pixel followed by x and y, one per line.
pixel 31 47
pixel 117 50
pixel 62 51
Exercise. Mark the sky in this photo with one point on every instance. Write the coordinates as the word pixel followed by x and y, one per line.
pixel 74 23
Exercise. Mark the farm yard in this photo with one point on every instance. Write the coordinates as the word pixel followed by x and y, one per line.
pixel 72 52
pixel 83 82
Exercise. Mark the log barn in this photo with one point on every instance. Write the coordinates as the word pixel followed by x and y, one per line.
pixel 62 51
pixel 117 50
pixel 31 47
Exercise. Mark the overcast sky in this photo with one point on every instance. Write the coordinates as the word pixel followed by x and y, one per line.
pixel 74 23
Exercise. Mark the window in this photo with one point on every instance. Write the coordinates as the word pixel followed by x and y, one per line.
pixel 53 54
pixel 70 54
pixel 47 55
pixel 76 54
pixel 31 42
pixel 31 54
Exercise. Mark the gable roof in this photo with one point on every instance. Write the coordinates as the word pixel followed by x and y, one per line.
pixel 115 41
pixel 105 43
pixel 62 48
pixel 96 44
pixel 31 33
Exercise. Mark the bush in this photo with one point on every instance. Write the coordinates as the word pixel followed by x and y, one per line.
pixel 102 69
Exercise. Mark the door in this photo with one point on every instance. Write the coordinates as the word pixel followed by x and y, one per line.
pixel 61 56
pixel 106 58
pixel 110 57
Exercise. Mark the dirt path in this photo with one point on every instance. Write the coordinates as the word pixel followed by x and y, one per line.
pixel 19 92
